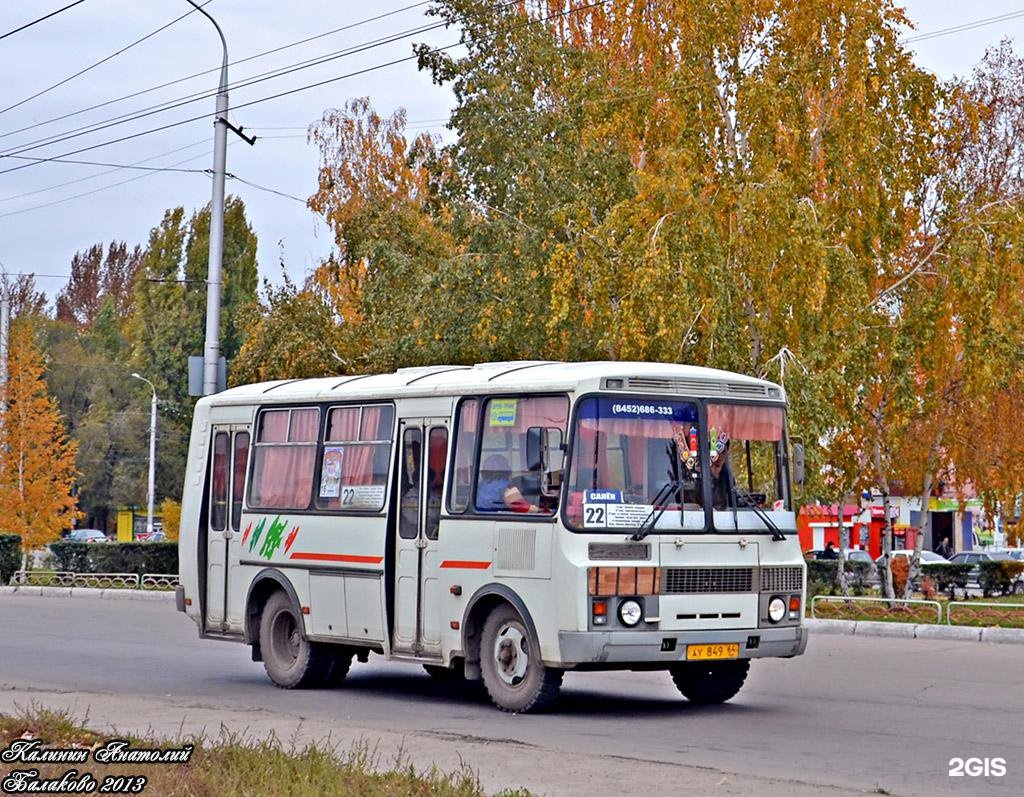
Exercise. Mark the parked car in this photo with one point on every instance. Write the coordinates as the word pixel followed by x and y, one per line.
pixel 972 558
pixel 146 536
pixel 87 535
pixel 1017 554
pixel 927 557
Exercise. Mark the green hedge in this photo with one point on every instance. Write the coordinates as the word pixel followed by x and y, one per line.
pixel 999 577
pixel 125 557
pixel 10 556
pixel 948 577
pixel 823 576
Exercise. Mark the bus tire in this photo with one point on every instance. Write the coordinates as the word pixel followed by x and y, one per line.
pixel 710 683
pixel 514 676
pixel 339 662
pixel 291 660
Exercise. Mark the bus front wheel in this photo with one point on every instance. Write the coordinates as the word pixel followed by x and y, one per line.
pixel 513 674
pixel 708 683
pixel 291 660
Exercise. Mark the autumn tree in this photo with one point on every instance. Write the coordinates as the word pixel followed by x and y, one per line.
pixel 292 335
pixel 96 277
pixel 37 459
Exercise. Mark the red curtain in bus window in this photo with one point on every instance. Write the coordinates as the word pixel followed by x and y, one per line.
pixel 219 502
pixel 274 426
pixel 357 462
pixel 241 455
pixel 745 422
pixel 304 427
pixel 283 474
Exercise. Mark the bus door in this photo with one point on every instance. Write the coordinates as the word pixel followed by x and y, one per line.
pixel 229 452
pixel 421 476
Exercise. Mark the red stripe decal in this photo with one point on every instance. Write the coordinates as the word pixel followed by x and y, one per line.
pixel 460 564
pixel 338 557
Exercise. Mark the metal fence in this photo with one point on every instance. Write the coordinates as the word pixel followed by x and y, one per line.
pixel 898 609
pixel 999 615
pixel 63 578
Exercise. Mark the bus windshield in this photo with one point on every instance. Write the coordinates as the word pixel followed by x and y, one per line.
pixel 626 454
pixel 746 456
pixel 633 457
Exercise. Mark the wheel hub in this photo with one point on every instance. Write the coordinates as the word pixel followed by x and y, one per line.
pixel 511 655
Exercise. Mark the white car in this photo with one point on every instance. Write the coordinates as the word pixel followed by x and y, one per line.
pixel 927 557
pixel 87 535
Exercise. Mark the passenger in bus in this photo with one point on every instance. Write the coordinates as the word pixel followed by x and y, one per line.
pixel 495 491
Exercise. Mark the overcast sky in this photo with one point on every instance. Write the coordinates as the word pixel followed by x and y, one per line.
pixel 125 204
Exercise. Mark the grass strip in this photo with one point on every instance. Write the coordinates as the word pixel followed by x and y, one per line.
pixel 234 764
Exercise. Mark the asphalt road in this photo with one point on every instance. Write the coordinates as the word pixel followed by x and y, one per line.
pixel 853 714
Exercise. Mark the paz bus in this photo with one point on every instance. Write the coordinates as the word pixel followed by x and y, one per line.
pixel 505 521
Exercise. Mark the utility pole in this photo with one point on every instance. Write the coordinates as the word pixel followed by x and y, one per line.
pixel 151 492
pixel 211 349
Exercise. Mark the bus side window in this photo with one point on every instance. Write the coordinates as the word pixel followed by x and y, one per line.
pixel 509 477
pixel 219 488
pixel 465 445
pixel 284 458
pixel 240 457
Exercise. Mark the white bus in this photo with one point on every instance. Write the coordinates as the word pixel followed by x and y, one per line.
pixel 505 522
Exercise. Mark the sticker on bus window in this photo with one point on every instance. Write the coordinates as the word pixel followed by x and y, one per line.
pixel 602 497
pixel 330 477
pixel 503 412
pixel 595 516
pixel 628 515
pixel 362 496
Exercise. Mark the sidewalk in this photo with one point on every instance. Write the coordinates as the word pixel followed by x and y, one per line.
pixel 960 633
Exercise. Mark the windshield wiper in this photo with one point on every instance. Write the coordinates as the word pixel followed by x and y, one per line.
pixel 743 499
pixel 652 519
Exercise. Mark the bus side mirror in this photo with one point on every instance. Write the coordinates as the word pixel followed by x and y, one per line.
pixel 798 464
pixel 552 461
pixel 535 448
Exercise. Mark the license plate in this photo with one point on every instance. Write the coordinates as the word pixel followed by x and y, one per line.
pixel 706 652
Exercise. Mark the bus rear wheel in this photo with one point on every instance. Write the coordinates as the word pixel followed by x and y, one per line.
pixel 513 674
pixel 707 683
pixel 291 660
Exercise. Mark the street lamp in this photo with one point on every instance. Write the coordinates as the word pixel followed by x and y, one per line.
pixel 152 455
pixel 211 348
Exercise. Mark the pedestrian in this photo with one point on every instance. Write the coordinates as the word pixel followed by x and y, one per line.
pixel 830 551
pixel 945 550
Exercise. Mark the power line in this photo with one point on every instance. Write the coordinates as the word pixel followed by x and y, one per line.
pixel 101 61
pixel 215 69
pixel 254 102
pixel 978 23
pixel 41 19
pixel 289 92
pixel 112 185
pixel 264 188
pixel 170 105
pixel 115 167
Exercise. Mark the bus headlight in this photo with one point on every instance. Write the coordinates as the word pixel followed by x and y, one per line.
pixel 776 609
pixel 630 612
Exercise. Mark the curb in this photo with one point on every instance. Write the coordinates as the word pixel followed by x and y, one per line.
pixel 88 592
pixel 959 633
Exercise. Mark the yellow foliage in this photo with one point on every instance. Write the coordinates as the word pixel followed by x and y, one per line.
pixel 170 511
pixel 37 459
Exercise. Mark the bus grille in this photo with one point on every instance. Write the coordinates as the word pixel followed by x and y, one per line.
pixel 782 579
pixel 685 580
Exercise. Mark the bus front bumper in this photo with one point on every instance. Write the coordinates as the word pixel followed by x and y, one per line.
pixel 653 647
